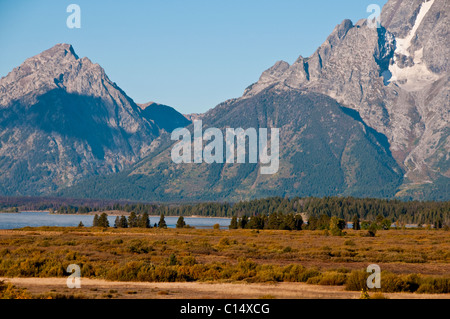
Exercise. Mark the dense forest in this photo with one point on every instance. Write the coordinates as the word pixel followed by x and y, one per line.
pixel 366 209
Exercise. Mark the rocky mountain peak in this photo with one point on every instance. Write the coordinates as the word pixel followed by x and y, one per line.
pixel 396 77
pixel 57 67
pixel 340 31
pixel 62 119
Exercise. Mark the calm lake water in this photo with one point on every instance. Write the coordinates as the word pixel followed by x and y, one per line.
pixel 36 219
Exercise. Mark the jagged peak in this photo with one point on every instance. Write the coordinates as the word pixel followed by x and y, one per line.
pixel 64 48
pixel 340 31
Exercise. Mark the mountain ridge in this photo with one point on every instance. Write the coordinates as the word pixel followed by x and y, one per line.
pixel 353 66
pixel 366 115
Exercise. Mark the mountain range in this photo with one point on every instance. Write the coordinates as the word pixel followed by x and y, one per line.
pixel 366 115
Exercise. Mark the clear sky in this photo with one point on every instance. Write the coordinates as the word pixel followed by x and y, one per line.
pixel 189 54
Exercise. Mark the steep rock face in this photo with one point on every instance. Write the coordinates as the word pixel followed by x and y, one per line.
pixel 62 119
pixel 395 76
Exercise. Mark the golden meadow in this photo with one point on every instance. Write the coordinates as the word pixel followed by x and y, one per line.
pixel 412 260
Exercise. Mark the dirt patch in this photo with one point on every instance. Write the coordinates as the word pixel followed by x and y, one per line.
pixel 102 289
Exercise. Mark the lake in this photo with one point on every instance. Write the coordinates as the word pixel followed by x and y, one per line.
pixel 36 219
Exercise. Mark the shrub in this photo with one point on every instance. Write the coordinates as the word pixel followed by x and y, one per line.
pixel 333 279
pixel 9 291
pixel 314 280
pixel 117 241
pixel 188 261
pixel 392 283
pixel 287 249
pixel 224 241
pixel 372 230
pixel 172 260
pixel 138 246
pixel 349 242
pixel 435 285
pixel 357 280
pixel 308 273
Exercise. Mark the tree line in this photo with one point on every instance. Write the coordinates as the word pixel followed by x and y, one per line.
pixel 134 221
pixel 366 209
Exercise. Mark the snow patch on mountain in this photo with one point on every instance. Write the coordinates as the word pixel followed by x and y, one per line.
pixel 411 77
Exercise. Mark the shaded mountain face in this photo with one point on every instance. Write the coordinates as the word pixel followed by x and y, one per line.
pixel 325 149
pixel 366 115
pixel 165 117
pixel 61 120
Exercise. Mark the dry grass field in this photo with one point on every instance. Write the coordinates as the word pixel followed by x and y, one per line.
pixel 304 264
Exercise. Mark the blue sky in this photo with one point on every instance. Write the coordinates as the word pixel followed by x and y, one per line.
pixel 189 54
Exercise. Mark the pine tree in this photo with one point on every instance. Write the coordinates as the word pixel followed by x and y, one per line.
pixel 298 222
pixel 356 223
pixel 132 220
pixel 144 221
pixel 103 220
pixel 123 222
pixel 244 222
pixel 162 222
pixel 233 223
pixel 95 222
pixel 81 224
pixel 313 223
pixel 180 222
pixel 336 226
pixel 117 222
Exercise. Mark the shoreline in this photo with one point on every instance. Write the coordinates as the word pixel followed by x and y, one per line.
pixel 127 214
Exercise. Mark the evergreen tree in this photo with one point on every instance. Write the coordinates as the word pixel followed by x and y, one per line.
pixel 162 222
pixel 324 222
pixel 336 226
pixel 288 222
pixel 356 223
pixel 312 223
pixel 244 222
pixel 81 224
pixel 274 221
pixel 144 221
pixel 257 222
pixel 103 220
pixel 123 222
pixel 233 223
pixel 298 222
pixel 386 224
pixel 132 220
pixel 95 222
pixel 117 222
pixel 180 222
